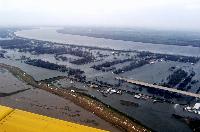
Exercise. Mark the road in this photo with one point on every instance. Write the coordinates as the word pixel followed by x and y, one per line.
pixel 159 87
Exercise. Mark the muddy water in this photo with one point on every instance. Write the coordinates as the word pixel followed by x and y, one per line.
pixel 51 34
pixel 42 102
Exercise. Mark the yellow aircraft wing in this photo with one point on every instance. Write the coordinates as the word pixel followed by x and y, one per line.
pixel 14 120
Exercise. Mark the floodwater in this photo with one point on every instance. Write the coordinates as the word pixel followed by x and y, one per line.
pixel 156 116
pixel 51 34
pixel 37 101
pixel 5 38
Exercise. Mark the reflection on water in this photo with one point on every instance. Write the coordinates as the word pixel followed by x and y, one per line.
pixel 5 38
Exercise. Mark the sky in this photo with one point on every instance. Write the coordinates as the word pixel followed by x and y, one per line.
pixel 166 14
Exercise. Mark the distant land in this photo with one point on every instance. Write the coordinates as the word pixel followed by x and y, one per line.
pixel 181 38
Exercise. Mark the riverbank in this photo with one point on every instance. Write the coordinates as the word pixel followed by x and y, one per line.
pixel 101 110
pixel 51 34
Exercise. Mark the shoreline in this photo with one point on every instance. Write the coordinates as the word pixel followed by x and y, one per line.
pixel 106 43
pixel 93 105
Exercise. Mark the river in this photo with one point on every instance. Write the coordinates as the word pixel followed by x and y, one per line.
pixel 51 34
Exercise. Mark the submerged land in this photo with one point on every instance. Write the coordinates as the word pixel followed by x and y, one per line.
pixel 87 78
pixel 89 103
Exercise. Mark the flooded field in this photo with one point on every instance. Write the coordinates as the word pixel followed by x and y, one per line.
pixel 93 71
pixel 37 101
pixel 149 113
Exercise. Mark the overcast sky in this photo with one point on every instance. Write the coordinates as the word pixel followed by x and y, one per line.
pixel 169 14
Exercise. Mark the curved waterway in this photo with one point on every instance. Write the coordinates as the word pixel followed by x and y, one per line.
pixel 51 34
